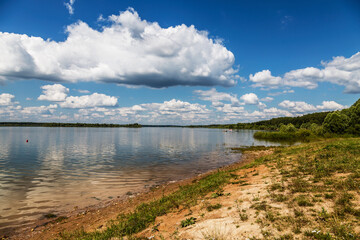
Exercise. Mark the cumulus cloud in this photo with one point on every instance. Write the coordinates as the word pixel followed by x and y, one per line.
pixel 330 105
pixel 265 79
pixel 173 111
pixel 54 93
pixel 6 99
pixel 279 93
pixel 250 98
pixel 217 97
pixel 302 107
pixel 128 51
pixel 44 110
pixel 341 71
pixel 87 101
pixel 69 6
pixel 297 106
pixel 267 99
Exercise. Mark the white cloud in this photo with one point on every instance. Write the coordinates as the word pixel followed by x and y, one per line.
pixel 279 93
pixel 250 98
pixel 129 51
pixel 83 91
pixel 302 107
pixel 267 99
pixel 330 105
pixel 217 97
pixel 70 7
pixel 87 101
pixel 6 99
pixel 45 110
pixel 265 79
pixel 341 71
pixel 297 106
pixel 54 93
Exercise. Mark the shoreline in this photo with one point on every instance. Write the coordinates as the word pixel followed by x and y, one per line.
pixel 307 191
pixel 123 203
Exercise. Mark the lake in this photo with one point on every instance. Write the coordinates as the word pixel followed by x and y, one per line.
pixel 60 168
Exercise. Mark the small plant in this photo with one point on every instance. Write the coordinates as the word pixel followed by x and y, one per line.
pixel 303 201
pixel 188 222
pixel 217 194
pixel 279 197
pixel 213 207
pixel 260 206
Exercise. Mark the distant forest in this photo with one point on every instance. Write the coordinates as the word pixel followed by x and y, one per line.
pixel 38 124
pixel 274 123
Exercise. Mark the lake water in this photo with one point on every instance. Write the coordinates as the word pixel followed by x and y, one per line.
pixel 60 168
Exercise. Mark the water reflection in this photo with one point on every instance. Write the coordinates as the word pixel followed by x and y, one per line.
pixel 60 168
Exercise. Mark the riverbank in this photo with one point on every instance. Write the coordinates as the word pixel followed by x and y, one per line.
pixel 307 191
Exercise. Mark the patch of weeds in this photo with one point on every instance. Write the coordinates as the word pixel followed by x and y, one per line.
pixel 285 237
pixel 299 185
pixel 155 228
pixel 329 195
pixel 317 234
pixel 344 199
pixel 323 215
pixel 279 197
pixel 260 206
pixel 215 234
pixel 216 194
pixel 256 198
pixel 298 213
pixel 270 216
pixel 188 222
pixel 303 201
pixel 344 231
pixel 213 207
pixel 277 186
pixel 239 182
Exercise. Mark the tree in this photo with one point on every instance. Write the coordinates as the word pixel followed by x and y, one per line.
pixel 336 122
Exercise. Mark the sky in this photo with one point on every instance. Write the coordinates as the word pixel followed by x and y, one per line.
pixel 176 62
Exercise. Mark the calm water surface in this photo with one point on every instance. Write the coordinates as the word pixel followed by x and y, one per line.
pixel 60 168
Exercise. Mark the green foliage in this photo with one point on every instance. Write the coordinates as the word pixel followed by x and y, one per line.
pixel 213 207
pixel 336 122
pixel 188 222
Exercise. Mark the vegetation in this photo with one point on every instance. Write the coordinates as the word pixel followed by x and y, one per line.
pixel 321 175
pixel 344 122
pixel 274 124
pixel 38 124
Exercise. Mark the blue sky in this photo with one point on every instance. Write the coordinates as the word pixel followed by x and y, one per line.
pixel 176 62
